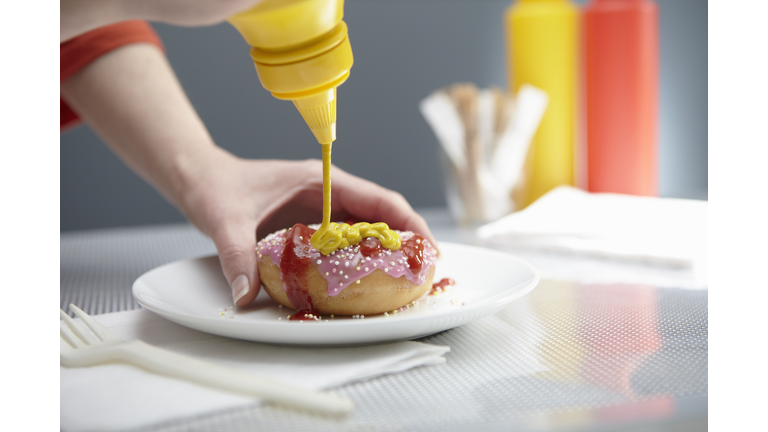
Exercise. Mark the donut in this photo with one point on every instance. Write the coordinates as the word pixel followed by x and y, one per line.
pixel 361 279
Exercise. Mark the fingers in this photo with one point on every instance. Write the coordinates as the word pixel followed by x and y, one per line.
pixel 373 203
pixel 236 245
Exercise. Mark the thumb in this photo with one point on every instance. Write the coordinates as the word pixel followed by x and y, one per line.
pixel 237 254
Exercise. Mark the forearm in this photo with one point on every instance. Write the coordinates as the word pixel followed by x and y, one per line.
pixel 133 100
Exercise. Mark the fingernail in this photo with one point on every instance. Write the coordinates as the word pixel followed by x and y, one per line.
pixel 240 287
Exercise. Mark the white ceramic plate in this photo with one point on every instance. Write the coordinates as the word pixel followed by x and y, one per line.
pixel 194 293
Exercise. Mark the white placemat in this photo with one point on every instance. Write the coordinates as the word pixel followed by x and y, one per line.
pixel 119 396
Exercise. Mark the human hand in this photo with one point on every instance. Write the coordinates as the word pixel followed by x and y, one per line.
pixel 235 201
pixel 134 102
pixel 188 13
pixel 80 16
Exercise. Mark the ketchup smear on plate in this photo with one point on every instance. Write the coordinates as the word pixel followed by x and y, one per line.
pixel 440 286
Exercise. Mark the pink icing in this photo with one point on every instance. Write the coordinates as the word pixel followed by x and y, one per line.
pixel 345 266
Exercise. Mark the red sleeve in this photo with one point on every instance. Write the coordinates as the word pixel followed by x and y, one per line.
pixel 80 51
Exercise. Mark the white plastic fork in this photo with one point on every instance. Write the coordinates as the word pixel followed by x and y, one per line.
pixel 80 348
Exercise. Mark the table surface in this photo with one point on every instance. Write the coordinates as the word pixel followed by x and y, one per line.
pixel 598 345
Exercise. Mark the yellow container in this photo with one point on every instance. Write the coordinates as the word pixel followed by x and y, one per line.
pixel 302 53
pixel 542 45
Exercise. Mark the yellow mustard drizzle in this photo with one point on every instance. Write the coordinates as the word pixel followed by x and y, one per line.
pixel 332 236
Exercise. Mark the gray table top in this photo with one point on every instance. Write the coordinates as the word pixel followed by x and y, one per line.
pixel 596 346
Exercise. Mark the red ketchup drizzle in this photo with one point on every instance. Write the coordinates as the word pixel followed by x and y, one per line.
pixel 413 249
pixel 440 286
pixel 294 266
pixel 370 246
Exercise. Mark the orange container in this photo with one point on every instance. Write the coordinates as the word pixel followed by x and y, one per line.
pixel 621 63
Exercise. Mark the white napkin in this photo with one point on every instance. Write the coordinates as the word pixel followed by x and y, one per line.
pixel 120 396
pixel 663 231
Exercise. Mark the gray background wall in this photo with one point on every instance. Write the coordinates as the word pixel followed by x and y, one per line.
pixel 403 50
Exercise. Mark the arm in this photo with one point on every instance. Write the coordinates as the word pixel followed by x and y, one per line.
pixel 133 100
pixel 80 16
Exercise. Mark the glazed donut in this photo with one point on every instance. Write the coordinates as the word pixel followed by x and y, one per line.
pixel 360 279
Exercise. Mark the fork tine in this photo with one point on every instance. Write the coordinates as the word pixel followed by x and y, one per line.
pixel 84 336
pixel 95 327
pixel 65 346
pixel 66 335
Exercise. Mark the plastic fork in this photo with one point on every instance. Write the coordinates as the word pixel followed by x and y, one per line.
pixel 81 347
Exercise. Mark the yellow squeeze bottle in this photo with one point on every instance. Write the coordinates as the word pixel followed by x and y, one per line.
pixel 542 40
pixel 302 53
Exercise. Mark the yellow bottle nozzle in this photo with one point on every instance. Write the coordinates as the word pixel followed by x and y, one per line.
pixel 302 53
pixel 319 111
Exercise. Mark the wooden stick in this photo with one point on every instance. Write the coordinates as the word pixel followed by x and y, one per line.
pixel 464 95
